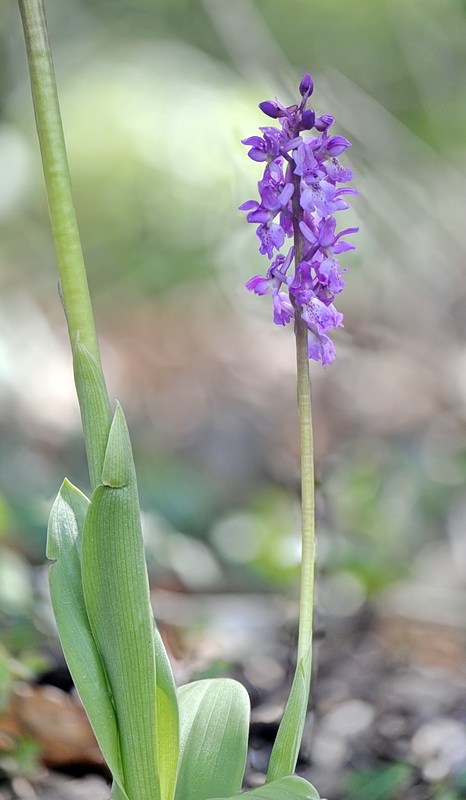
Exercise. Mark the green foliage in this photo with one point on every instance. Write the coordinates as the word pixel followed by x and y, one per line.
pixel 112 649
pixel 289 788
pixel 214 727
pixel 380 784
pixel 23 759
pixel 116 593
pixel 286 746
pixel 81 652
pixel 167 720
pixel 448 795
pixel 94 407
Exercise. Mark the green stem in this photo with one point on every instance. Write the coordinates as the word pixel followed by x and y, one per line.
pixel 306 605
pixel 74 288
pixel 307 491
pixel 286 747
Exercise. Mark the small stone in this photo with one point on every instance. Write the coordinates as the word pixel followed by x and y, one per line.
pixel 329 751
pixel 442 740
pixel 435 770
pixel 349 718
pixel 392 726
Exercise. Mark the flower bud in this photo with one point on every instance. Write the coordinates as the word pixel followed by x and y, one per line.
pixel 271 109
pixel 307 120
pixel 324 122
pixel 306 87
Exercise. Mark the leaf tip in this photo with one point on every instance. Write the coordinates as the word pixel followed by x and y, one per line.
pixel 118 469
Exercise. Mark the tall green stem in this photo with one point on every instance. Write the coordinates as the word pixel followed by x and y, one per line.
pixel 286 747
pixel 74 288
pixel 307 491
pixel 306 605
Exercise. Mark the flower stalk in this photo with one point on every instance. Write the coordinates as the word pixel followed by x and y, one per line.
pixel 299 195
pixel 307 491
pixel 73 286
pixel 306 441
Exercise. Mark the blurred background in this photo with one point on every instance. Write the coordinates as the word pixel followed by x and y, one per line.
pixel 155 99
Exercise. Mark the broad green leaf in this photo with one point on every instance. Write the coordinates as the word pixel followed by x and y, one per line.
pixel 63 545
pixel 94 406
pixel 288 740
pixel 167 720
pixel 214 727
pixel 290 788
pixel 116 592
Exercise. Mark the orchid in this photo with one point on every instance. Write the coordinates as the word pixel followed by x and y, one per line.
pixel 300 187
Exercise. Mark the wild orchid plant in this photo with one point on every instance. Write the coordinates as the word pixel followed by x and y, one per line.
pixel 160 742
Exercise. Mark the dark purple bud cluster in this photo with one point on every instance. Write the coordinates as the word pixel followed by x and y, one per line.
pixel 299 194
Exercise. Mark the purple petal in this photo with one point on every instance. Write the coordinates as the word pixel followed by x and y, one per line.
pixel 307 120
pixel 324 122
pixel 282 309
pixel 249 205
pixel 253 141
pixel 259 285
pixel 328 273
pixel 337 173
pixel 320 348
pixel 337 145
pixel 271 235
pixel 271 109
pixel 260 214
pixel 257 155
pixel 307 233
pixel 286 194
pixel 343 247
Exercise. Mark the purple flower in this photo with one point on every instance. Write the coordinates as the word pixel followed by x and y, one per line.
pixel 264 148
pixel 270 235
pixel 276 276
pixel 326 237
pixel 283 311
pixel 321 348
pixel 336 146
pixel 298 197
pixel 321 317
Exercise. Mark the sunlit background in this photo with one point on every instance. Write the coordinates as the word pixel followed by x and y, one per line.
pixel 156 96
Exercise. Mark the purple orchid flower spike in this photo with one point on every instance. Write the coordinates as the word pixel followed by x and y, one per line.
pixel 299 195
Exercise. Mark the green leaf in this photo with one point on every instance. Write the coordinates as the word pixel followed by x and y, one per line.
pixel 290 788
pixel 214 726
pixel 117 793
pixel 167 720
pixel 116 592
pixel 285 750
pixel 380 784
pixel 94 406
pixel 63 545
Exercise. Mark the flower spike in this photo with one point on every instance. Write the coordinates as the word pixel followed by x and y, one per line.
pixel 299 195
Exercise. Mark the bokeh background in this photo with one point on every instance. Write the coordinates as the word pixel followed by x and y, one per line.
pixel 155 99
